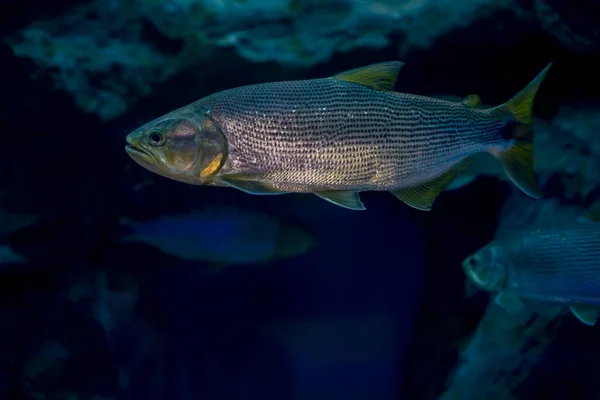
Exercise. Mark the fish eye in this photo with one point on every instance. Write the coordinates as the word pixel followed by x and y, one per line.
pixel 474 260
pixel 156 138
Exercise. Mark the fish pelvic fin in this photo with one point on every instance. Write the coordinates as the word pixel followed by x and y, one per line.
pixel 249 184
pixel 518 159
pixel 422 196
pixel 342 198
pixel 380 76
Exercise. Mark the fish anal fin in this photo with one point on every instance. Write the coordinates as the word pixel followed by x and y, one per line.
pixel 472 101
pixel 381 76
pixel 422 196
pixel 586 314
pixel 342 198
pixel 248 185
pixel 510 302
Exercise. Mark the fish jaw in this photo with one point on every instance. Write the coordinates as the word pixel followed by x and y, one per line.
pixel 149 161
pixel 135 150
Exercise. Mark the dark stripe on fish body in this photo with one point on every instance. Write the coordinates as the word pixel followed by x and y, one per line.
pixel 331 134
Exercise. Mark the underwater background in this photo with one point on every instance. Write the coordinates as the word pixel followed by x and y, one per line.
pixel 117 283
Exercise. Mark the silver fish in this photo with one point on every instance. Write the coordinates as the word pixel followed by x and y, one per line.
pixel 553 262
pixel 336 137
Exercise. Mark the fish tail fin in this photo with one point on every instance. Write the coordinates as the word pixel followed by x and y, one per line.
pixel 517 160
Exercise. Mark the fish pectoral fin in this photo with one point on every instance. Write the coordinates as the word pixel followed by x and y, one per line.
pixel 472 101
pixel 342 198
pixel 245 184
pixel 381 76
pixel 510 302
pixel 422 196
pixel 586 314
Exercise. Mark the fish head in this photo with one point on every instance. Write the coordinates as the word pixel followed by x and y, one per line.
pixel 486 267
pixel 190 148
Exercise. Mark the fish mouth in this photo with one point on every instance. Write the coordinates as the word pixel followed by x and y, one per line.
pixel 138 153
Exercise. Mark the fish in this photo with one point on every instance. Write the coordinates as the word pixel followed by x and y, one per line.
pixel 556 262
pixel 336 137
pixel 221 236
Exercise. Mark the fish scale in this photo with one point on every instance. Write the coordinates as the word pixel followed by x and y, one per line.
pixel 556 262
pixel 306 134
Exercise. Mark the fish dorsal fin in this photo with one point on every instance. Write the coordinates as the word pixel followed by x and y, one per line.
pixel 509 302
pixel 343 198
pixel 585 314
pixel 472 101
pixel 422 196
pixel 381 76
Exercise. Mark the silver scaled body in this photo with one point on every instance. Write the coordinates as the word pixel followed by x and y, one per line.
pixel 329 134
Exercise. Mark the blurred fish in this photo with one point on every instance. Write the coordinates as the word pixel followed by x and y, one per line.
pixel 222 235
pixel 336 137
pixel 557 261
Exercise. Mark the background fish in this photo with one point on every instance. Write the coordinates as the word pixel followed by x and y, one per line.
pixel 222 235
pixel 557 261
pixel 337 136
